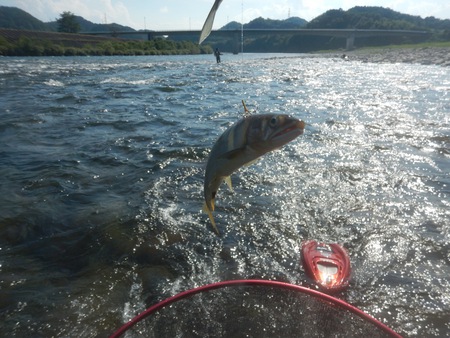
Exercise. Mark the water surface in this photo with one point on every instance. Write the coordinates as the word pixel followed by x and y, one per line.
pixel 101 177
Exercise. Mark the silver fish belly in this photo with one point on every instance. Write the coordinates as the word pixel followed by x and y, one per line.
pixel 242 143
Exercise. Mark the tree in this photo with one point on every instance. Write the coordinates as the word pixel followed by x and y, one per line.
pixel 67 23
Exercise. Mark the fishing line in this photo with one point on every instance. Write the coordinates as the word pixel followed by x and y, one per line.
pixel 242 29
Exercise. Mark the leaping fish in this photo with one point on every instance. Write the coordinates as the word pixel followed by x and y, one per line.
pixel 242 143
pixel 207 26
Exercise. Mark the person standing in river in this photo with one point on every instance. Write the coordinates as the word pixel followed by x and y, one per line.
pixel 217 55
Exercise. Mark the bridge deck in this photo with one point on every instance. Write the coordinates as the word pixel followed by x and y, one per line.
pixel 327 32
pixel 348 34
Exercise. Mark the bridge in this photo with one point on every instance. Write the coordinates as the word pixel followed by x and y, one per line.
pixel 349 34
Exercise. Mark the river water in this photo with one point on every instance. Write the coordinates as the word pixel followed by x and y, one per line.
pixel 101 179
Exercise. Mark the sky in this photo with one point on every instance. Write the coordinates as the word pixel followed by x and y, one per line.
pixel 190 14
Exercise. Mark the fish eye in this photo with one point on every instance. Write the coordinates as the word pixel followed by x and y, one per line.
pixel 273 121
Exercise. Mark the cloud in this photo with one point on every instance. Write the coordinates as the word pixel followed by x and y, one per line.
pixel 438 10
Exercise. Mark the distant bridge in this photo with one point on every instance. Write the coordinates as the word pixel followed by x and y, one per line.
pixel 348 34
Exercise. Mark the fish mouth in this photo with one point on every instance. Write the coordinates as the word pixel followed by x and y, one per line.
pixel 292 130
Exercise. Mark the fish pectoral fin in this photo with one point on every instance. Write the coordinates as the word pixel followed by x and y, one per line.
pixel 211 217
pixel 228 181
pixel 232 154
pixel 244 151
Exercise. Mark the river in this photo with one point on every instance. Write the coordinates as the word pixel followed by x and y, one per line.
pixel 101 179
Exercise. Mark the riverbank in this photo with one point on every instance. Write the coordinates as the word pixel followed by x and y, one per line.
pixel 32 43
pixel 425 55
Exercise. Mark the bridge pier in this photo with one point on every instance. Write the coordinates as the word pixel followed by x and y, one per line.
pixel 236 41
pixel 350 43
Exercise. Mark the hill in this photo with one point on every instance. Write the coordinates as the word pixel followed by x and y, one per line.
pixel 291 23
pixel 15 18
pixel 88 26
pixel 260 23
pixel 372 17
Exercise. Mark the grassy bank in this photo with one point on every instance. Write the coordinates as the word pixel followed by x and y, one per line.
pixel 27 43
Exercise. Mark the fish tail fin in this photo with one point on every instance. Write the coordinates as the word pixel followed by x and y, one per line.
pixel 211 217
pixel 228 181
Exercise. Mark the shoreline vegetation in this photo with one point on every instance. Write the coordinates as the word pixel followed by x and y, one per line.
pixel 31 43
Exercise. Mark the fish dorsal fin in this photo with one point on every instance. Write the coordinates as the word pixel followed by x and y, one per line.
pixel 228 182
pixel 246 111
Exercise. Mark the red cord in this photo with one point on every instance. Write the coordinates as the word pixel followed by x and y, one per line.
pixel 255 282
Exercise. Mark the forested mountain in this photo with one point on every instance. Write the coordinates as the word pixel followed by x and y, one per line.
pixel 15 18
pixel 362 17
pixel 88 26
pixel 260 23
